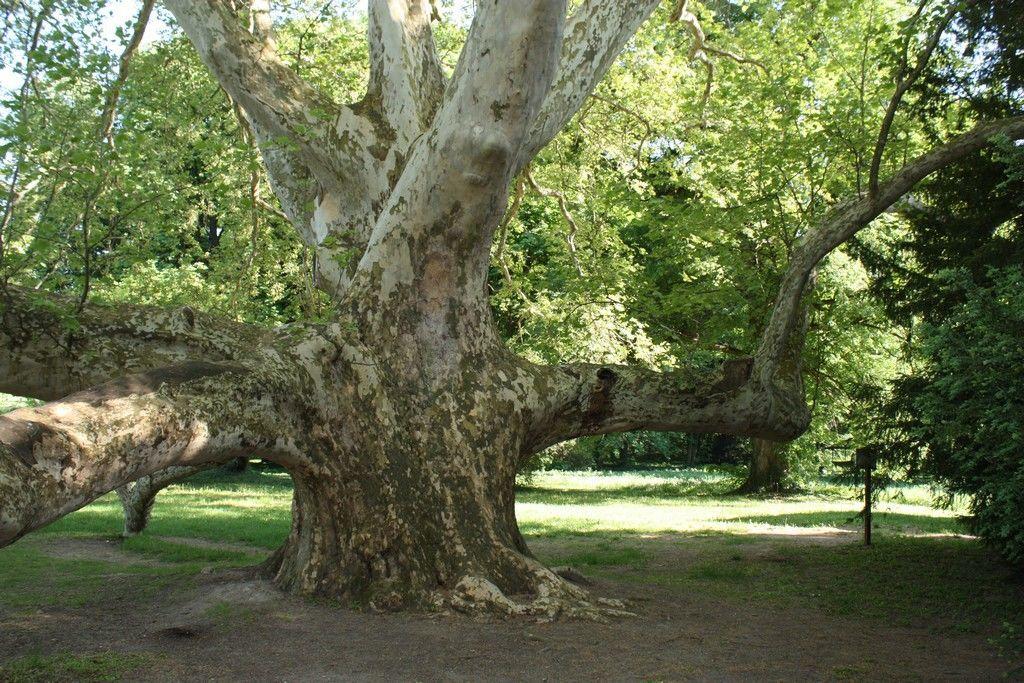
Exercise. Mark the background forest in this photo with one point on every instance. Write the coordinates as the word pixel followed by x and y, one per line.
pixel 654 229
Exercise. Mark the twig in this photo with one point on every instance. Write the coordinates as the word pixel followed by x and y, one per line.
pixel 499 253
pixel 114 93
pixel 904 81
pixel 563 206
pixel 700 49
pixel 635 114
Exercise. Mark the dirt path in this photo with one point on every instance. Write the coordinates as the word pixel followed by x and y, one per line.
pixel 221 627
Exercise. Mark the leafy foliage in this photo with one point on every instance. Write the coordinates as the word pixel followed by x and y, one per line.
pixel 656 227
pixel 960 416
pixel 951 278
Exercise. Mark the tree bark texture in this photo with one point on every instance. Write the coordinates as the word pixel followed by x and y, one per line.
pixel 402 422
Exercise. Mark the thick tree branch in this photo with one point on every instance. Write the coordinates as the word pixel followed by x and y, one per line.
pixel 847 219
pixel 406 80
pixel 584 399
pixel 307 142
pixel 47 354
pixel 454 188
pixel 761 396
pixel 280 105
pixel 329 165
pixel 595 35
pixel 56 458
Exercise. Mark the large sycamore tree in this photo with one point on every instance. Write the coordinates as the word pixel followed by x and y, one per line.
pixel 404 420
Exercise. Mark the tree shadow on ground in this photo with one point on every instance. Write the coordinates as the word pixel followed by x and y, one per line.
pixel 952 583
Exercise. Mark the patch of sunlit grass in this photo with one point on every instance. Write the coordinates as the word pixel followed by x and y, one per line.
pixel 678 529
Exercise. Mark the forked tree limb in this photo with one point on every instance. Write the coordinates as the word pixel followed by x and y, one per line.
pixel 453 190
pixel 563 207
pixel 905 79
pixel 700 49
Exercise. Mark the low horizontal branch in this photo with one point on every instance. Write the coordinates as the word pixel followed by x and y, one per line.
pixel 585 399
pixel 58 457
pixel 46 352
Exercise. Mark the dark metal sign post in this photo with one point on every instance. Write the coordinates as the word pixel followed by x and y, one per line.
pixel 866 463
pixel 864 460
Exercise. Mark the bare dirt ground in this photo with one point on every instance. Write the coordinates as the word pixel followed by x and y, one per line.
pixel 222 627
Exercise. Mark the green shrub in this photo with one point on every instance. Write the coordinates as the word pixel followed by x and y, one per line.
pixel 960 418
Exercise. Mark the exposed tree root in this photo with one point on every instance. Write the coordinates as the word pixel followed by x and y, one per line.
pixel 553 594
pixel 553 598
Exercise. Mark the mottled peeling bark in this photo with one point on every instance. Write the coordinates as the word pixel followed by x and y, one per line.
pixel 403 422
pixel 46 352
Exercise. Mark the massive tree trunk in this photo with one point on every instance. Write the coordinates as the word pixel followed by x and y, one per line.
pixel 403 421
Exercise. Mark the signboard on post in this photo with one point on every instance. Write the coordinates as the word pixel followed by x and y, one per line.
pixel 864 461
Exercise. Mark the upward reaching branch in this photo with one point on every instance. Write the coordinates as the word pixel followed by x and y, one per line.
pixel 406 81
pixel 114 94
pixel 904 81
pixel 846 219
pixel 279 103
pixel 455 185
pixel 594 36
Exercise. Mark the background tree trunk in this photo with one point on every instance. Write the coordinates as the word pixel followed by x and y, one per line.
pixel 768 468
pixel 138 498
pixel 238 465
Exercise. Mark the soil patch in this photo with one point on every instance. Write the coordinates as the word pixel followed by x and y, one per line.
pixel 227 627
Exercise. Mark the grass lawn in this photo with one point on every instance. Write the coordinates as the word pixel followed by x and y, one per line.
pixel 670 530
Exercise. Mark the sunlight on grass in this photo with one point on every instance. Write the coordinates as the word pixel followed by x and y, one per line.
pixel 680 530
pixel 102 666
pixel 699 501
pixel 255 507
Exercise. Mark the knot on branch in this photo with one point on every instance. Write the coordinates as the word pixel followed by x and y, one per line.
pixel 489 152
pixel 19 437
pixel 599 405
pixel 780 412
pixel 734 374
